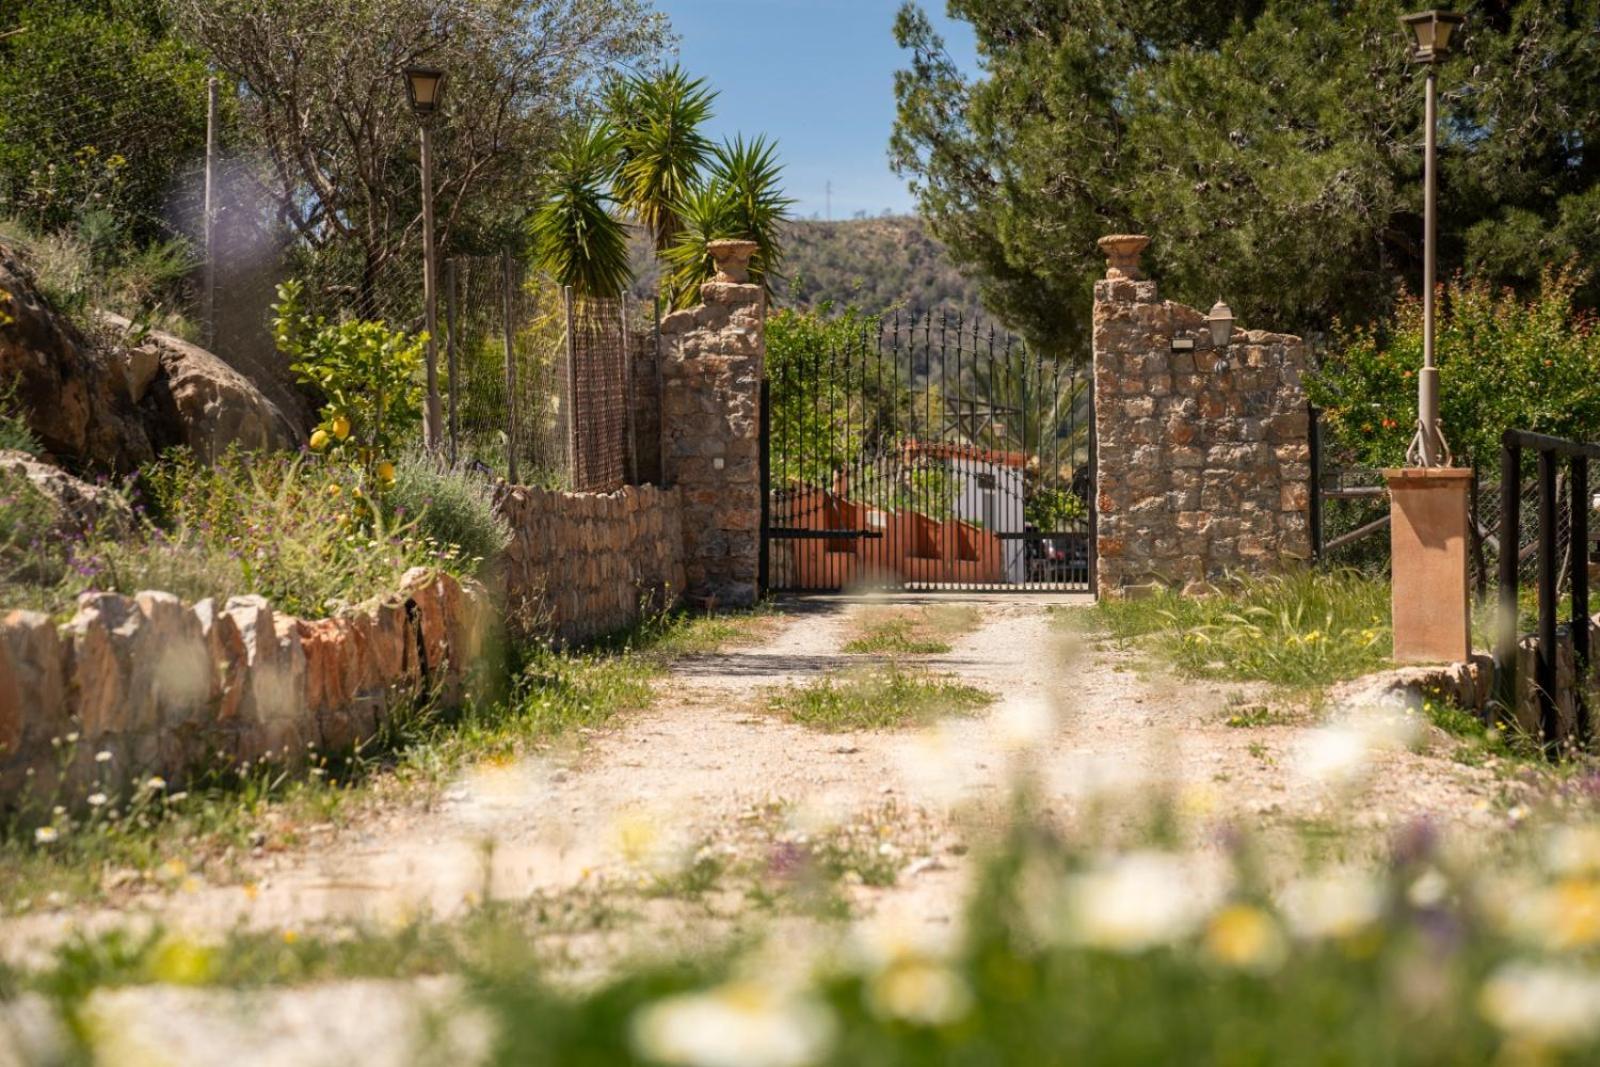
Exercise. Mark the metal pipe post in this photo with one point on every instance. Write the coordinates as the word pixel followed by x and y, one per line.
pixel 208 281
pixel 431 429
pixel 1578 553
pixel 1428 382
pixel 452 319
pixel 1505 649
pixel 1545 666
pixel 509 327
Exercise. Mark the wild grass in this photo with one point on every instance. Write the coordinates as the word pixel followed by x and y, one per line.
pixel 885 698
pixel 1306 629
pixel 109 836
pixel 926 630
pixel 1067 951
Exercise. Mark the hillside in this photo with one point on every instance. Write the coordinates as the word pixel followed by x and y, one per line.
pixel 878 264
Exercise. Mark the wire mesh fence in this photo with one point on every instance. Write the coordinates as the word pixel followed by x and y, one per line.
pixel 540 385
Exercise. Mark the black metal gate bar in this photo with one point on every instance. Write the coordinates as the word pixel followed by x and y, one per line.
pixel 895 457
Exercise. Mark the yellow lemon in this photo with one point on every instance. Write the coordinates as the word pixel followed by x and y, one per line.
pixel 319 440
pixel 386 472
pixel 341 427
pixel 333 489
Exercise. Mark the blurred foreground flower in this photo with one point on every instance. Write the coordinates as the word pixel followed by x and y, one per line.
pixel 1244 936
pixel 1549 1005
pixel 741 1024
pixel 1333 905
pixel 920 992
pixel 1142 899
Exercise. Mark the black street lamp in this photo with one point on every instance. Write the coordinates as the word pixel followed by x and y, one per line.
pixel 1432 33
pixel 425 87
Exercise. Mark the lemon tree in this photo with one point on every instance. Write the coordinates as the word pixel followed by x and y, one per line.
pixel 369 377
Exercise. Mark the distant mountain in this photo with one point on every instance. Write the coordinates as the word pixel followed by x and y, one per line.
pixel 877 264
pixel 883 264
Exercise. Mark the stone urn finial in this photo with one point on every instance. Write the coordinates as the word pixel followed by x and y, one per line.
pixel 732 259
pixel 1122 254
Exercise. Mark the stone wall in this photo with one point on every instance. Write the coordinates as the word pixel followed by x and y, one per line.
pixel 1203 460
pixel 713 358
pixel 141 685
pixel 585 564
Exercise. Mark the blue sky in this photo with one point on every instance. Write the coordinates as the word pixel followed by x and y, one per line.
pixel 818 75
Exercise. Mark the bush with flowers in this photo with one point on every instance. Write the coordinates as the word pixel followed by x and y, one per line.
pixel 1505 362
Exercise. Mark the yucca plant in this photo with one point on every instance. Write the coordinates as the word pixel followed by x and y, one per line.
pixel 658 119
pixel 576 238
pixel 740 199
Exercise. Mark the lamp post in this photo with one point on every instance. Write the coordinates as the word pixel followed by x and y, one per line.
pixel 425 87
pixel 1432 32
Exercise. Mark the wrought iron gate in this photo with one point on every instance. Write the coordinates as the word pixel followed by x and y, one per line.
pixel 933 454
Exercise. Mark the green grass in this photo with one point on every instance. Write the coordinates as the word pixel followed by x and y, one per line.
pixel 883 699
pixel 1303 630
pixel 161 837
pixel 911 631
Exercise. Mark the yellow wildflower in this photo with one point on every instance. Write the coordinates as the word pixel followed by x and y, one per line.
pixel 1244 936
pixel 334 489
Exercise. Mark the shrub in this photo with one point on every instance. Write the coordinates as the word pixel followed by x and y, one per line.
pixel 367 373
pixel 454 509
pixel 1504 363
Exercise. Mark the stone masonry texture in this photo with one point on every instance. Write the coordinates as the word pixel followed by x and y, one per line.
pixel 1203 457
pixel 581 565
pixel 713 358
pixel 163 687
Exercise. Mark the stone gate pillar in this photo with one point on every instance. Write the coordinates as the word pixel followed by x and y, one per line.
pixel 1203 455
pixel 712 361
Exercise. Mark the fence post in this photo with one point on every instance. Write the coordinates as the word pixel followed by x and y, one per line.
pixel 572 388
pixel 1092 556
pixel 1579 550
pixel 1505 651
pixel 764 476
pixel 452 323
pixel 1314 501
pixel 208 280
pixel 1549 568
pixel 508 325
pixel 628 400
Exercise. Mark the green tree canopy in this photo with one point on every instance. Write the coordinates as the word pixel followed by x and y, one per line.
pixel 103 110
pixel 1272 149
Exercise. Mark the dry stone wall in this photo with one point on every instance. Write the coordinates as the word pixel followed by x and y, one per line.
pixel 584 564
pixel 713 358
pixel 147 685
pixel 1203 458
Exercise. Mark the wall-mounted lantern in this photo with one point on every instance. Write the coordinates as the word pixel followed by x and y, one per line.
pixel 1220 320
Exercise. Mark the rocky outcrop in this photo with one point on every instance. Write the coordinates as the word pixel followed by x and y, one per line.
pixel 75 400
pixel 111 402
pixel 80 506
pixel 199 401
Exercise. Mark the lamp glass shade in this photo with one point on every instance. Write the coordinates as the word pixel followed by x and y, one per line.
pixel 1432 33
pixel 425 86
pixel 1221 322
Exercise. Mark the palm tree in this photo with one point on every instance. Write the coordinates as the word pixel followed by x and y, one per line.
pixel 741 198
pixel 658 118
pixel 576 238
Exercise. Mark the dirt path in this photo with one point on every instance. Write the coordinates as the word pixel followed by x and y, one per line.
pixel 706 763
